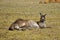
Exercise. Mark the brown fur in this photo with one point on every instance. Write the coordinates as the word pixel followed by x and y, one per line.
pixel 23 24
pixel 18 22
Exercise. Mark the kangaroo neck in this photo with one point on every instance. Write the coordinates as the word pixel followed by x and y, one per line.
pixel 42 21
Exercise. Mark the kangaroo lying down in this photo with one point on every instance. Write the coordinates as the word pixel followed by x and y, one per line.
pixel 21 24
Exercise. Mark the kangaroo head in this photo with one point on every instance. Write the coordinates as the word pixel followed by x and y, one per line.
pixel 42 17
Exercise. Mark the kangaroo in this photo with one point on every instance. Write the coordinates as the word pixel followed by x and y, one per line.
pixel 42 23
pixel 21 24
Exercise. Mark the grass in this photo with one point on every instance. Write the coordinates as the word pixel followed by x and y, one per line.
pixel 12 10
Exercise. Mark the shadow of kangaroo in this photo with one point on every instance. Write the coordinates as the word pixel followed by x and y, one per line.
pixel 21 24
pixel 42 23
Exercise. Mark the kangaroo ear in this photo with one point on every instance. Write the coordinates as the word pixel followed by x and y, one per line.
pixel 40 13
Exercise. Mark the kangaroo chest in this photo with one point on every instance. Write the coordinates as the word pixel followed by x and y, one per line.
pixel 42 24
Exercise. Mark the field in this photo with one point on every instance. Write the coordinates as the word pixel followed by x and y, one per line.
pixel 10 10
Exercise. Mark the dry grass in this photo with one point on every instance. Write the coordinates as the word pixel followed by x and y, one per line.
pixel 10 11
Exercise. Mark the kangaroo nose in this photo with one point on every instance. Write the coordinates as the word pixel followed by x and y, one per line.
pixel 42 17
